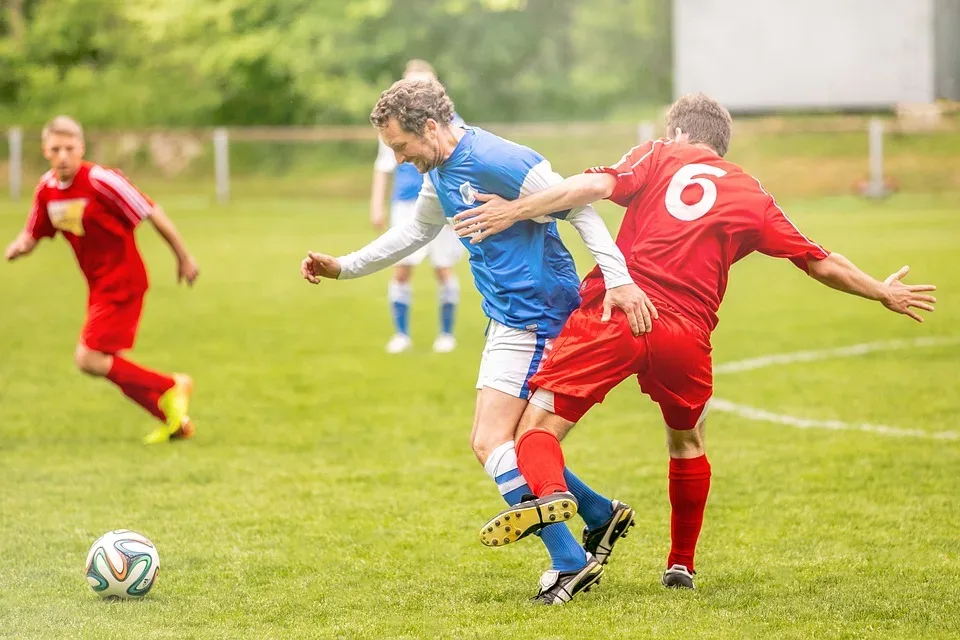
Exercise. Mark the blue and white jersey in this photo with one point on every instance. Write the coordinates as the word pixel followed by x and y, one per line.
pixel 407 181
pixel 526 276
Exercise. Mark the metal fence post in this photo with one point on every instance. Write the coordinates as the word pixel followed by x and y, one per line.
pixel 15 139
pixel 221 160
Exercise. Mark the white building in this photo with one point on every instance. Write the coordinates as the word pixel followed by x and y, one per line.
pixel 760 55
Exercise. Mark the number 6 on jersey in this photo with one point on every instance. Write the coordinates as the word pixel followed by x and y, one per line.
pixel 682 179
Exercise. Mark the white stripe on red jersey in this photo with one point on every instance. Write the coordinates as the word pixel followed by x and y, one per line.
pixel 121 192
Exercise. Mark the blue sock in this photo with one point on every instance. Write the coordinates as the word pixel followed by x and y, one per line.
pixel 592 507
pixel 449 297
pixel 566 554
pixel 400 295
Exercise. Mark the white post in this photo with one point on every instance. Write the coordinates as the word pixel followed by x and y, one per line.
pixel 221 163
pixel 645 131
pixel 876 187
pixel 15 138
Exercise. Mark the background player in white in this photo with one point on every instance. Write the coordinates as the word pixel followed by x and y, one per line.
pixel 444 251
pixel 529 287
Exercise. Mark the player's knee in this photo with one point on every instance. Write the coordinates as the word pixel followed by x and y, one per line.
pixel 401 275
pixel 88 361
pixel 685 443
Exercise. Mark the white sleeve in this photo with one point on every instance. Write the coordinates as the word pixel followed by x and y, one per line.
pixel 386 162
pixel 400 241
pixel 588 224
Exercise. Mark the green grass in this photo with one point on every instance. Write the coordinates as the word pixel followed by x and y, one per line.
pixel 331 491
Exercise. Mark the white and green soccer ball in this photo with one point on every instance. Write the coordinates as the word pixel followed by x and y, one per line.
pixel 122 564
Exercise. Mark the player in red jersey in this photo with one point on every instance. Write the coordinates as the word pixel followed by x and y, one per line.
pixel 690 216
pixel 97 211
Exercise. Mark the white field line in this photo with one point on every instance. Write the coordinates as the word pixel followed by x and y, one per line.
pixel 754 413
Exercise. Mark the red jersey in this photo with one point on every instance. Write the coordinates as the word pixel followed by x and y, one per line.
pixel 97 213
pixel 690 216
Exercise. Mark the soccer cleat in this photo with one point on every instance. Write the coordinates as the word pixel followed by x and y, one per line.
pixel 175 403
pixel 678 577
pixel 186 430
pixel 528 517
pixel 399 343
pixel 445 343
pixel 558 587
pixel 600 541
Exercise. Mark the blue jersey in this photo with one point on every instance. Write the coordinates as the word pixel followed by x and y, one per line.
pixel 526 276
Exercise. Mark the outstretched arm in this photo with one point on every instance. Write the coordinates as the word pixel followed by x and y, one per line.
pixel 22 245
pixel 186 266
pixel 837 272
pixel 497 214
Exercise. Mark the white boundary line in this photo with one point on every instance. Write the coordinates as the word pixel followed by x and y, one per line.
pixel 754 413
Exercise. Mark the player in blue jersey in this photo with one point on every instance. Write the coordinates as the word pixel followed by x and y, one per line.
pixel 444 251
pixel 529 286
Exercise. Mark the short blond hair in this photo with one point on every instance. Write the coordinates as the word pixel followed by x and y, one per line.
pixel 419 66
pixel 704 119
pixel 62 125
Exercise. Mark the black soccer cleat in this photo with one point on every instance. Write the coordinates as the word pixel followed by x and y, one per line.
pixel 600 541
pixel 528 517
pixel 678 577
pixel 558 587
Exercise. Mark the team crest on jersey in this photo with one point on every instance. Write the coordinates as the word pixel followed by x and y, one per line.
pixel 468 193
pixel 67 215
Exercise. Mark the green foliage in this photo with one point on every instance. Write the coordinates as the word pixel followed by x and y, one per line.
pixel 241 62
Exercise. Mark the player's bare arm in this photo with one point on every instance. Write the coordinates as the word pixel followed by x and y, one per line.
pixel 187 268
pixel 837 272
pixel 22 245
pixel 378 217
pixel 497 214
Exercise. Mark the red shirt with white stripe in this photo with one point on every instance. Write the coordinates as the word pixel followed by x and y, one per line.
pixel 690 216
pixel 97 212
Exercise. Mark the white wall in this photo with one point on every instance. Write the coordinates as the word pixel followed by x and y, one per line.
pixel 765 54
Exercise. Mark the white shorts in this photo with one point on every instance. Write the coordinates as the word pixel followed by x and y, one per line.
pixel 510 358
pixel 444 251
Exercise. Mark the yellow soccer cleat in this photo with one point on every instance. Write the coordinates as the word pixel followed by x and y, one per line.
pixel 175 404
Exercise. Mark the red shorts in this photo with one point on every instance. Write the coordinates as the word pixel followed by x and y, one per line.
pixel 112 325
pixel 590 357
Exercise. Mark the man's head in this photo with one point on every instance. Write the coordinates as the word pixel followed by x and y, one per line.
pixel 411 116
pixel 63 146
pixel 417 69
pixel 695 118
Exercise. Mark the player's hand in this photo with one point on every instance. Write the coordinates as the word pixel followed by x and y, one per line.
pixel 188 270
pixel 634 302
pixel 378 220
pixel 493 216
pixel 21 246
pixel 903 298
pixel 319 265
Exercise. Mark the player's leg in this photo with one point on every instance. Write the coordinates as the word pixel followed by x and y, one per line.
pixel 111 329
pixel 400 295
pixel 572 570
pixel 689 487
pixel 445 252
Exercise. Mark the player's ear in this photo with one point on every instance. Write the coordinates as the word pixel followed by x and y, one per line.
pixel 430 126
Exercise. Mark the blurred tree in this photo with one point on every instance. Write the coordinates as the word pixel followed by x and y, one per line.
pixel 202 62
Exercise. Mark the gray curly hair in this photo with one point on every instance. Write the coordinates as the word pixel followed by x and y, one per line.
pixel 412 103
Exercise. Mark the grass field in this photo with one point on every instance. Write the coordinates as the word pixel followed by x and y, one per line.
pixel 331 491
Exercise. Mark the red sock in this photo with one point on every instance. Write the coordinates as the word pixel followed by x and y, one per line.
pixel 689 486
pixel 143 386
pixel 540 460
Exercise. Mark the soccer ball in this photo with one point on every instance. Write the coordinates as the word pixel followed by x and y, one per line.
pixel 122 564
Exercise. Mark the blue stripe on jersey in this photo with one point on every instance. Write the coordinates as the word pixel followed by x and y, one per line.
pixel 525 275
pixel 407 180
pixel 534 366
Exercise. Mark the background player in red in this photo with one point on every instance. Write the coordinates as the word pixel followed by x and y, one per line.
pixel 690 216
pixel 97 210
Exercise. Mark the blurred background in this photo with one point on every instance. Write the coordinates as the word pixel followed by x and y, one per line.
pixel 293 82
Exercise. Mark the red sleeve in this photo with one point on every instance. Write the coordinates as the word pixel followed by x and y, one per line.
pixel 119 196
pixel 38 224
pixel 631 172
pixel 782 239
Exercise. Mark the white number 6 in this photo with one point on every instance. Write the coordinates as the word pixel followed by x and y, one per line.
pixel 684 178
